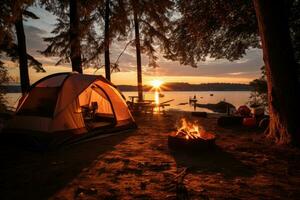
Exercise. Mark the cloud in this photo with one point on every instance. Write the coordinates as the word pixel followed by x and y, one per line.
pixel 34 39
pixel 236 73
pixel 244 69
pixel 46 19
pixel 249 66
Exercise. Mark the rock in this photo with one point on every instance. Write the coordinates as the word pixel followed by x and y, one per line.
pixel 221 107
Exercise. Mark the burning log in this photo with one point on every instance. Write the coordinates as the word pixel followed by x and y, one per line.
pixel 186 133
pixel 191 136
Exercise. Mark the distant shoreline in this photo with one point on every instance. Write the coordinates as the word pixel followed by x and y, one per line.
pixel 193 87
pixel 175 87
pixel 191 90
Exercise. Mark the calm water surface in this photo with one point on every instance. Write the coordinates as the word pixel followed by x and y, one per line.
pixel 237 98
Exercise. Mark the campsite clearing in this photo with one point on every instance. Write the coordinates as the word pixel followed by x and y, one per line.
pixel 139 165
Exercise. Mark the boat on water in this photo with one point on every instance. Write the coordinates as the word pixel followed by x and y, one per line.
pixel 161 95
pixel 193 100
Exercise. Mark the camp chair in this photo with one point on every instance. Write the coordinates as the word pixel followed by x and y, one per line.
pixel 93 109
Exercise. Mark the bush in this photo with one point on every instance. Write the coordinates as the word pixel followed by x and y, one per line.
pixel 3 79
pixel 259 95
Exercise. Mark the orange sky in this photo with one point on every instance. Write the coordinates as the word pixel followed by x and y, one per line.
pixel 129 78
pixel 241 71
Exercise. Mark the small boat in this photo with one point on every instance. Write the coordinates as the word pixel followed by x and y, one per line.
pixel 161 95
pixel 193 100
pixel 211 95
pixel 182 104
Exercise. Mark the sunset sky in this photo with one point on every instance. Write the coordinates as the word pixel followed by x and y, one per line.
pixel 241 71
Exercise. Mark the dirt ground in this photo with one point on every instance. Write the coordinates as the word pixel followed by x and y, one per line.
pixel 139 165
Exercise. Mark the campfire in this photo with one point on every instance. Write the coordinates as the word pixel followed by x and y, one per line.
pixel 190 130
pixel 190 135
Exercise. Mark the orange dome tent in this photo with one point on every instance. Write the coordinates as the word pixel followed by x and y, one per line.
pixel 67 106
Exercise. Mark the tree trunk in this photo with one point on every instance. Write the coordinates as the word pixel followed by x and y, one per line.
pixel 281 68
pixel 75 53
pixel 106 41
pixel 22 53
pixel 138 56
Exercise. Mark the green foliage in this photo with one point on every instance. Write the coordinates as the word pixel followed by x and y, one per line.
pixel 9 13
pixel 221 29
pixel 5 22
pixel 59 44
pixel 3 79
pixel 214 28
pixel 119 28
pixel 154 18
pixel 155 25
pixel 91 19
pixel 11 50
pixel 259 95
pixel 294 22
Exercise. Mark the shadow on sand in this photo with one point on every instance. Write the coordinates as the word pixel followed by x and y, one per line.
pixel 32 175
pixel 212 161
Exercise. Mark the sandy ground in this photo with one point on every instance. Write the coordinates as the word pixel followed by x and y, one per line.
pixel 139 165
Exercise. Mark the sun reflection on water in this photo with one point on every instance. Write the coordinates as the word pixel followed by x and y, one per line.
pixel 156 97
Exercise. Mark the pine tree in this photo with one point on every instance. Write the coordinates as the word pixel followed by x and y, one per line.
pixel 21 49
pixel 4 78
pixel 113 22
pixel 106 39
pixel 152 26
pixel 13 17
pixel 73 33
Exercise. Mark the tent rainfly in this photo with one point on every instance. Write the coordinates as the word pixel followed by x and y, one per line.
pixel 69 107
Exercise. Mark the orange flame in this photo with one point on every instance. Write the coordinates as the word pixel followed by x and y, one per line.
pixel 190 130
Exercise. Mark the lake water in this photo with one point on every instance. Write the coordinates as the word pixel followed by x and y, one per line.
pixel 237 98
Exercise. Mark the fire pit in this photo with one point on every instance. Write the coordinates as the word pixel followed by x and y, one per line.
pixel 191 136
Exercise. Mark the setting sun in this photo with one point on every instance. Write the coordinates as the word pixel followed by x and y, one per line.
pixel 156 83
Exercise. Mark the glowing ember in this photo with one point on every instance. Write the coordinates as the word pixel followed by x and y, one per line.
pixel 190 130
